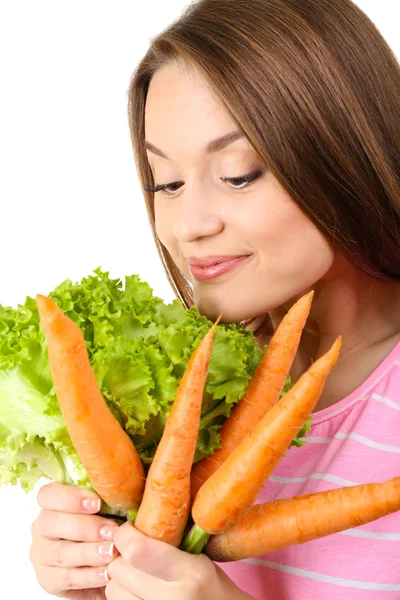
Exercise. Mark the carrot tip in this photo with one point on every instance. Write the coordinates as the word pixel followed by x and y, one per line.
pixel 41 299
pixel 338 341
pixel 307 298
pixel 46 306
pixel 335 349
pixel 217 320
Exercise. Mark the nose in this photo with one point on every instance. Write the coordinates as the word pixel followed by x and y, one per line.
pixel 197 217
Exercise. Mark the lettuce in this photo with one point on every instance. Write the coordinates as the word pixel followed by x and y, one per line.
pixel 139 348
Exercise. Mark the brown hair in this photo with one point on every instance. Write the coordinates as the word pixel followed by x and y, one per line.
pixel 316 90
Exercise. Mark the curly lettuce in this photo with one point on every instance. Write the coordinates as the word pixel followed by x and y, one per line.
pixel 139 348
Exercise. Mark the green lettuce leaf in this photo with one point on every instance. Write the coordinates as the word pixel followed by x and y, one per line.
pixel 139 348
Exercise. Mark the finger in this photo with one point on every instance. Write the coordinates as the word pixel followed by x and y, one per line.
pixel 152 556
pixel 55 580
pixel 78 528
pixel 68 498
pixel 61 553
pixel 115 591
pixel 138 582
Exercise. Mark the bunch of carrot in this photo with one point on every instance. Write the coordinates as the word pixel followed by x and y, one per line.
pixel 218 492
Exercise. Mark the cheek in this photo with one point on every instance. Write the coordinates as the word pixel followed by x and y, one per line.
pixel 300 249
pixel 292 250
pixel 164 225
pixel 282 227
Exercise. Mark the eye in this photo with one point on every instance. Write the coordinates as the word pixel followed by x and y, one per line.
pixel 238 183
pixel 235 183
pixel 169 188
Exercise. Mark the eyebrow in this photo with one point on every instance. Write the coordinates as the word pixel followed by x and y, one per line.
pixel 214 146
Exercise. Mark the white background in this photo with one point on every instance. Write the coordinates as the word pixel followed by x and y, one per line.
pixel 70 198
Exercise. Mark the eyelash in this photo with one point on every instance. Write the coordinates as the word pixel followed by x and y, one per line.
pixel 247 179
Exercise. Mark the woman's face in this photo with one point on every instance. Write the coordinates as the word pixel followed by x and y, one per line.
pixel 244 244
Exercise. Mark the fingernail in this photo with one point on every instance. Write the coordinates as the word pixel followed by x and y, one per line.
pixel 91 504
pixel 107 532
pixel 103 574
pixel 106 549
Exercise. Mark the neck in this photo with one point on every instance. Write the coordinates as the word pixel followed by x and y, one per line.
pixel 364 311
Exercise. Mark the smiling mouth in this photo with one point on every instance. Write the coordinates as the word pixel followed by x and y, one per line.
pixel 214 267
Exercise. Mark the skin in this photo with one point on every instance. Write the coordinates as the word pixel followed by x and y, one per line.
pixel 207 216
pixel 65 552
pixel 204 215
pixel 289 255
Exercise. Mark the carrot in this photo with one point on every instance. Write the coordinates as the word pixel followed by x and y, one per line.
pixel 274 525
pixel 262 393
pixel 105 449
pixel 231 490
pixel 165 507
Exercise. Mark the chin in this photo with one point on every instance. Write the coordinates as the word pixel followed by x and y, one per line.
pixel 230 312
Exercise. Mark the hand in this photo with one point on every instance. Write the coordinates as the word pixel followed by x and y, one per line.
pixel 69 545
pixel 148 569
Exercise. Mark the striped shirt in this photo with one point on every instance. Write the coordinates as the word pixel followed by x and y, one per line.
pixel 357 440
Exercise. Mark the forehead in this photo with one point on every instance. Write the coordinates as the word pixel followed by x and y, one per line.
pixel 184 117
pixel 182 96
pixel 179 82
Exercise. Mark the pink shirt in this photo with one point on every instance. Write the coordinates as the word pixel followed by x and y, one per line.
pixel 357 440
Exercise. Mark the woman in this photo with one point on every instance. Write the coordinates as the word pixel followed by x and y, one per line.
pixel 267 140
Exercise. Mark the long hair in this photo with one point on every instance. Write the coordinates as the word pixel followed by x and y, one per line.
pixel 316 90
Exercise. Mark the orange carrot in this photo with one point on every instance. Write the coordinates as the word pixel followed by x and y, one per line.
pixel 274 525
pixel 105 449
pixel 165 507
pixel 262 393
pixel 225 497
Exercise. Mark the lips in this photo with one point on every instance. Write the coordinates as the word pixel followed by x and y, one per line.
pixel 211 267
